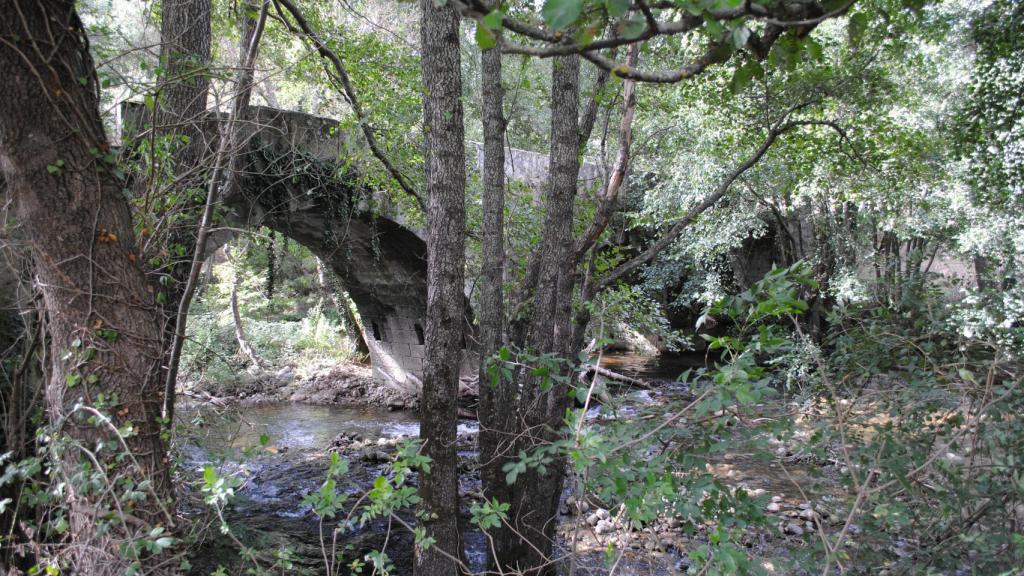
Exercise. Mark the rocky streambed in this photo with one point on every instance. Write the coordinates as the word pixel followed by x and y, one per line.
pixel 281 452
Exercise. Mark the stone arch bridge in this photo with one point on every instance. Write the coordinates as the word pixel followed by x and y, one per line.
pixel 296 181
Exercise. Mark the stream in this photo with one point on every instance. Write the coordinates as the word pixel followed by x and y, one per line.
pixel 281 451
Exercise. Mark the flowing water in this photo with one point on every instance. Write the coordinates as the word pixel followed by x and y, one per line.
pixel 281 453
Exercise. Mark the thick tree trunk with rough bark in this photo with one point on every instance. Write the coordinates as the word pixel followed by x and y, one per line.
pixel 445 171
pixel 233 139
pixel 185 55
pixel 496 398
pixel 535 495
pixel 179 115
pixel 104 332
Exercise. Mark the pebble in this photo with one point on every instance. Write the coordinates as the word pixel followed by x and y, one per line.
pixel 593 519
pixel 604 514
pixel 604 527
pixel 794 529
pixel 776 498
pixel 773 507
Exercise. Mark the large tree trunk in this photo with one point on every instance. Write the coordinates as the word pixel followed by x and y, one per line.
pixel 180 115
pixel 445 171
pixel 105 336
pixel 185 55
pixel 496 398
pixel 233 138
pixel 535 495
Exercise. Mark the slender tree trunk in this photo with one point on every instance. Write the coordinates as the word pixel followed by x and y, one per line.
pixel 496 398
pixel 445 171
pixel 536 495
pixel 332 289
pixel 268 289
pixel 243 343
pixel 105 337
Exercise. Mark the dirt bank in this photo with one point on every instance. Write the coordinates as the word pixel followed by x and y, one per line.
pixel 318 384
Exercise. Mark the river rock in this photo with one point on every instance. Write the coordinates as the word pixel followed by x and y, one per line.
pixel 285 375
pixel 593 519
pixel 604 527
pixel 376 457
pixel 604 514
pixel 793 528
pixel 773 507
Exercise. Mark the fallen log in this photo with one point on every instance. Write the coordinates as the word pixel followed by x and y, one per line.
pixel 616 376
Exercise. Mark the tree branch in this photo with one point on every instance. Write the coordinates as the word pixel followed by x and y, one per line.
pixel 695 212
pixel 559 44
pixel 610 196
pixel 341 75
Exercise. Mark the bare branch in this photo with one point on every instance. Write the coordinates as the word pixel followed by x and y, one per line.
pixel 610 196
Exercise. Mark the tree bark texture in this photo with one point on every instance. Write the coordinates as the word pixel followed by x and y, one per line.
pixel 179 115
pixel 232 140
pixel 496 398
pixel 445 171
pixel 535 495
pixel 105 337
pixel 185 55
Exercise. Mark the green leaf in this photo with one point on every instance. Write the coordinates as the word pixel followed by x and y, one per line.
pixel 493 20
pixel 485 39
pixel 855 28
pixel 632 27
pixel 740 36
pixel 616 8
pixel 740 79
pixel 560 14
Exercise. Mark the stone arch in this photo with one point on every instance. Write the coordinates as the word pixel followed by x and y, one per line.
pixel 295 182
